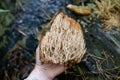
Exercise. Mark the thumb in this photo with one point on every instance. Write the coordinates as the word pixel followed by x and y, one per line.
pixel 38 56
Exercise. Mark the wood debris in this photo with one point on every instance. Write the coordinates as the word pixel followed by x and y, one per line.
pixel 110 12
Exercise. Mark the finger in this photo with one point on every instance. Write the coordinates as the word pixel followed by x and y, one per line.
pixel 37 50
pixel 53 69
pixel 58 69
pixel 37 56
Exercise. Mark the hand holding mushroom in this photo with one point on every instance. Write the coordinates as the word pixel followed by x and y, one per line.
pixel 62 46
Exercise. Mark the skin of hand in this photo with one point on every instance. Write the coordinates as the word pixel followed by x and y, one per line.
pixel 46 71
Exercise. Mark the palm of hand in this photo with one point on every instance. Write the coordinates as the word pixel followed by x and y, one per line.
pixel 48 69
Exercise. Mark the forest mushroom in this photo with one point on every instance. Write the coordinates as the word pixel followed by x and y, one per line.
pixel 63 43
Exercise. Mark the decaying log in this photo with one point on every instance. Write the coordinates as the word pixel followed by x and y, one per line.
pixel 111 38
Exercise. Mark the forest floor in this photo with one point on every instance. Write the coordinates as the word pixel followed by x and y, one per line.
pixel 22 21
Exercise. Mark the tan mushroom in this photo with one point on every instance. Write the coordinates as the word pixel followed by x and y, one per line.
pixel 63 43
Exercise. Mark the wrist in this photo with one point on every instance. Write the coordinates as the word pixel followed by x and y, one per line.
pixel 37 74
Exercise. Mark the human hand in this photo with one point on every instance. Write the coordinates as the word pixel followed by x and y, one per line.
pixel 45 71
